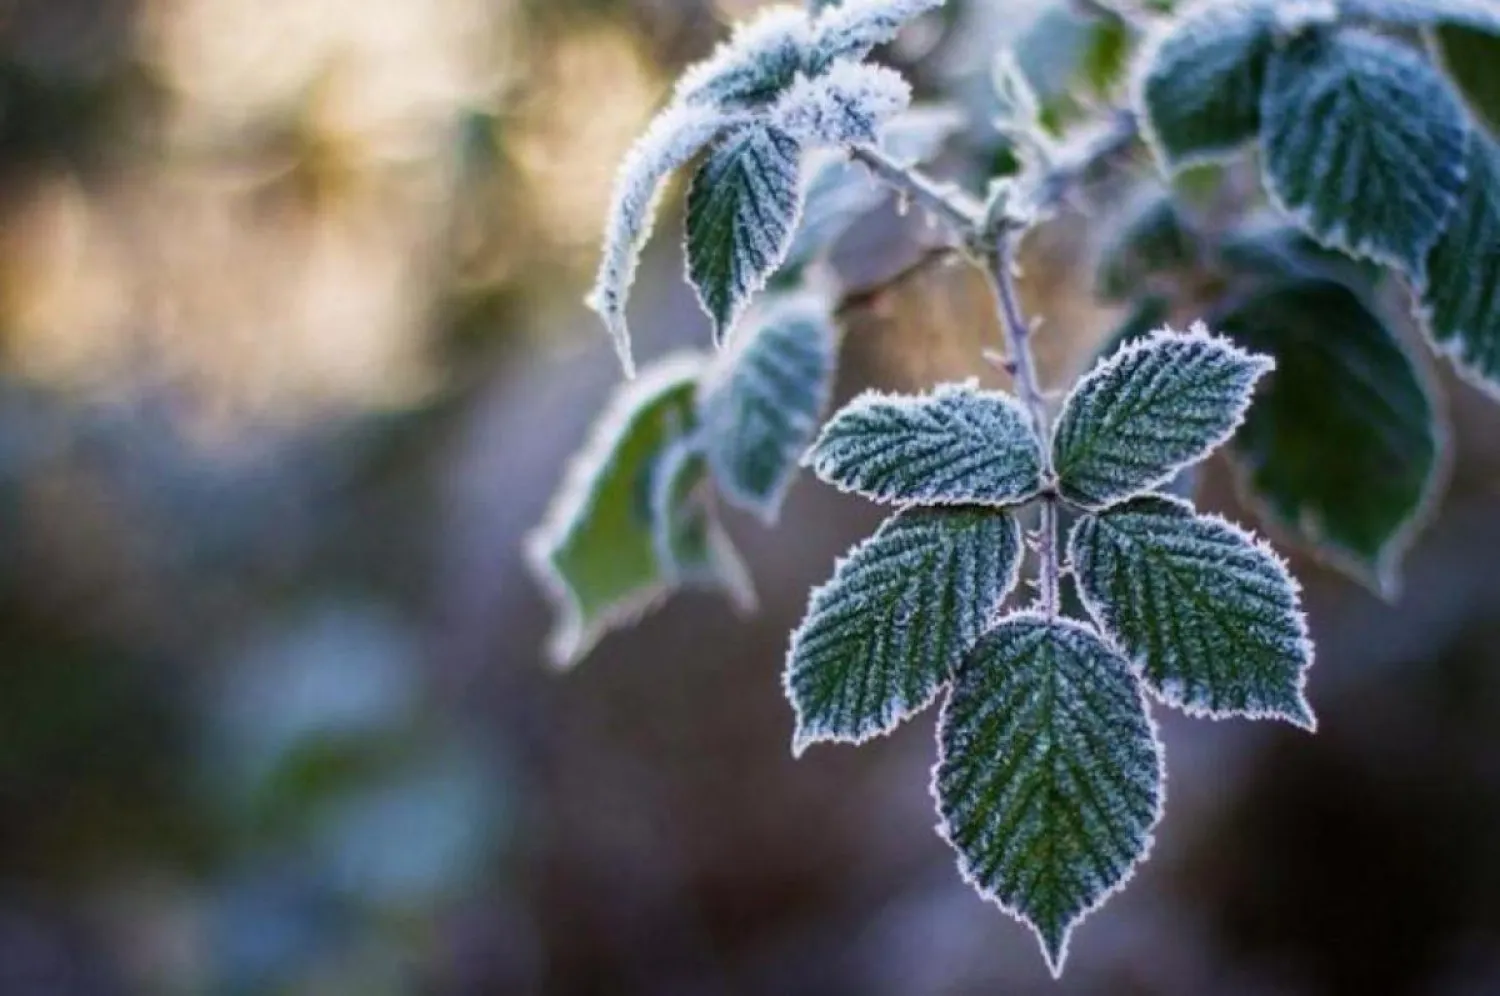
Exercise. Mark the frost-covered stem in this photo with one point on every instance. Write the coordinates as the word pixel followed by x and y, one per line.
pixel 952 206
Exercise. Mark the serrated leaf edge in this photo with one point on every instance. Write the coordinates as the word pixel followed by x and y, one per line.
pixel 1055 966
pixel 570 639
pixel 1260 363
pixel 801 738
pixel 872 397
pixel 1137 662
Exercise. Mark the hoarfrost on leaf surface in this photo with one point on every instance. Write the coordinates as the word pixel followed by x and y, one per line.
pixel 1483 15
pixel 1208 615
pixel 1050 776
pixel 1201 88
pixel 1148 411
pixel 956 446
pixel 884 635
pixel 753 66
pixel 844 106
pixel 760 406
pixel 742 212
pixel 1365 144
pixel 673 138
pixel 596 551
pixel 854 27
pixel 1460 299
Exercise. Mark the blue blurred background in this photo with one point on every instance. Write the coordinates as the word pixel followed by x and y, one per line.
pixel 292 354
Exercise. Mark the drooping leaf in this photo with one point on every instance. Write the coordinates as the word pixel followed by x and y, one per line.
pixel 854 27
pixel 1460 299
pixel 691 547
pixel 956 446
pixel 596 552
pixel 840 192
pixel 675 136
pixel 1343 445
pixel 742 211
pixel 1201 89
pixel 761 406
pixel 884 635
pixel 844 106
pixel 1208 614
pixel 1050 777
pixel 1483 15
pixel 754 66
pixel 1472 58
pixel 1154 237
pixel 1151 409
pixel 1365 145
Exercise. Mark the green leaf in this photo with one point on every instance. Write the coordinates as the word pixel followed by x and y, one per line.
pixel 853 28
pixel 845 106
pixel 1272 249
pixel 1472 58
pixel 1483 15
pixel 1365 145
pixel 742 211
pixel 691 547
pixel 1343 446
pixel 761 405
pixel 956 446
pixel 673 138
pixel 752 68
pixel 1050 777
pixel 840 192
pixel 1208 614
pixel 1141 416
pixel 1154 237
pixel 596 552
pixel 1460 300
pixel 883 636
pixel 1200 93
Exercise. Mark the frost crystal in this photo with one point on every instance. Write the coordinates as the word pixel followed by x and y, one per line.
pixel 1148 411
pixel 846 105
pixel 673 138
pixel 853 28
pixel 753 66
pixel 956 446
pixel 884 635
pixel 1050 777
pixel 1208 614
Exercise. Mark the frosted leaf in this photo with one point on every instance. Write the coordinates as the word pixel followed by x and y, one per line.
pixel 1483 15
pixel 884 635
pixel 1201 89
pixel 1206 613
pixel 1460 299
pixel 854 27
pixel 691 546
pixel 839 192
pixel 752 68
pixel 1472 59
pixel 1364 144
pixel 1153 238
pixel 673 138
pixel 1343 447
pixel 596 552
pixel 956 446
pixel 1050 776
pixel 1146 412
pixel 844 106
pixel 742 211
pixel 763 402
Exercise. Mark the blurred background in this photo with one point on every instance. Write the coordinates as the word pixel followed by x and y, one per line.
pixel 292 354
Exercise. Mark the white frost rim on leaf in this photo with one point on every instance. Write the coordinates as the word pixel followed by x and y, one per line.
pixel 804 734
pixel 770 28
pixel 967 874
pixel 571 638
pixel 1137 661
pixel 1260 365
